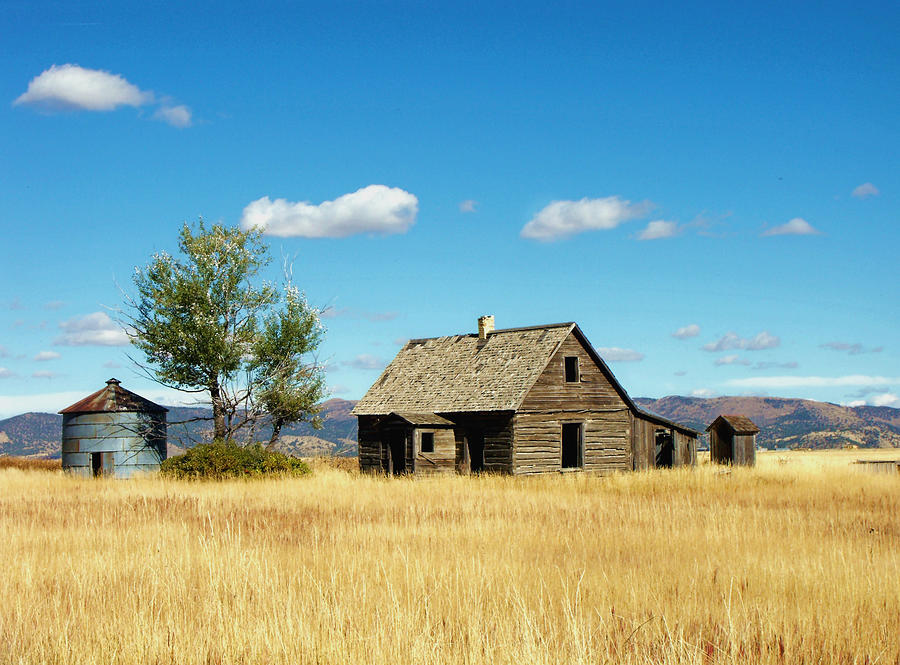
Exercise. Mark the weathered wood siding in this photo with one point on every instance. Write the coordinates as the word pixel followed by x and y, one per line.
pixel 685 449
pixel 497 430
pixel 725 447
pixel 745 449
pixel 591 401
pixel 369 439
pixel 443 459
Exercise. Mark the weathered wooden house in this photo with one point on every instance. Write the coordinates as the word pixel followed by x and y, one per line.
pixel 520 400
pixel 732 440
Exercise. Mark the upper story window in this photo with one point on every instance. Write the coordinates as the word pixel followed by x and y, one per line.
pixel 572 375
pixel 427 442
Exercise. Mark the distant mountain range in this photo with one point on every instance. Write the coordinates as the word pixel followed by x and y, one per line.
pixel 791 423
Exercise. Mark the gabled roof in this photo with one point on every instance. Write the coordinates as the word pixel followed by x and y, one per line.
pixel 114 398
pixel 463 373
pixel 740 424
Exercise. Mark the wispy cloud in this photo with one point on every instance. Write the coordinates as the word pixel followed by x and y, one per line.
pixel 469 205
pixel 796 227
pixel 813 381
pixel 732 341
pixel 44 356
pixel 374 209
pixel 791 364
pixel 732 360
pixel 95 329
pixel 338 389
pixel 561 219
pixel 702 392
pixel 178 116
pixel 112 364
pixel 6 373
pixel 681 372
pixel 853 349
pixel 364 361
pixel 659 229
pixel 886 399
pixel 16 305
pixel 615 354
pixel 44 374
pixel 687 332
pixel 54 305
pixel 865 190
pixel 4 352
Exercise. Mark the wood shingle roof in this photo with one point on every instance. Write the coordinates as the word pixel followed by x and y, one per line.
pixel 740 424
pixel 464 373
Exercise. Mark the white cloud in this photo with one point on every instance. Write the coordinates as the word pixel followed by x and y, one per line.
pixel 338 389
pixel 688 331
pixel 886 399
pixel 95 329
pixel 6 373
pixel 70 87
pixel 732 341
pixel 659 229
pixel 468 205
pixel 615 354
pixel 856 402
pixel 561 219
pixel 350 313
pixel 44 374
pixel 46 355
pixel 703 392
pixel 796 227
pixel 364 361
pixel 866 190
pixel 813 381
pixel 732 360
pixel 177 116
pixel 373 209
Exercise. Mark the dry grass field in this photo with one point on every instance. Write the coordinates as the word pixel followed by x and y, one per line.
pixel 796 561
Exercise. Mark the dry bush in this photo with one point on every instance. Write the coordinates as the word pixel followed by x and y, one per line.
pixel 30 463
pixel 768 565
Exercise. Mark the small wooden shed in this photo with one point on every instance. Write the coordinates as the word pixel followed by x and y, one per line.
pixel 732 440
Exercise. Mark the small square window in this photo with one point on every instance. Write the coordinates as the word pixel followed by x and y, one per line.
pixel 572 369
pixel 427 442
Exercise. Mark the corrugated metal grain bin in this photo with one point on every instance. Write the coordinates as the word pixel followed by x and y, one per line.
pixel 113 432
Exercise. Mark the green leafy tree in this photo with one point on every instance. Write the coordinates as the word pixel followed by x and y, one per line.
pixel 207 323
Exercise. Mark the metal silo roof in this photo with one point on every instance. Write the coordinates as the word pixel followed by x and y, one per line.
pixel 113 398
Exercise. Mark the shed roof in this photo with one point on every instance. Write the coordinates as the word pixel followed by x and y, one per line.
pixel 423 419
pixel 114 398
pixel 462 373
pixel 740 424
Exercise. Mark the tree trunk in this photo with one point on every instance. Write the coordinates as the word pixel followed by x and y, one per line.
pixel 276 431
pixel 215 395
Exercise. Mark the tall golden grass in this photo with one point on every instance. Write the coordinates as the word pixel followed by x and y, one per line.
pixel 780 564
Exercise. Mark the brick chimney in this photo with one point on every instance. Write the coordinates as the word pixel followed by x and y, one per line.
pixel 485 326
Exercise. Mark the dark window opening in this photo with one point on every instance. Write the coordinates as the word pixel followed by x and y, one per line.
pixel 572 369
pixel 572 446
pixel 427 442
pixel 397 447
pixel 96 464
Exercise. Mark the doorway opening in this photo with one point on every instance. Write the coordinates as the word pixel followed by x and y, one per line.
pixel 665 449
pixel 475 443
pixel 572 457
pixel 397 447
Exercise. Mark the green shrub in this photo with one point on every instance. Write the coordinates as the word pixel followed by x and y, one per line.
pixel 225 459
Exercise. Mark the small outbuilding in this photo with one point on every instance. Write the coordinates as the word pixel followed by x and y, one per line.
pixel 113 432
pixel 732 440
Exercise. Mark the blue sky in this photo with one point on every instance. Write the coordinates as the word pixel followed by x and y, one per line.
pixel 640 168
